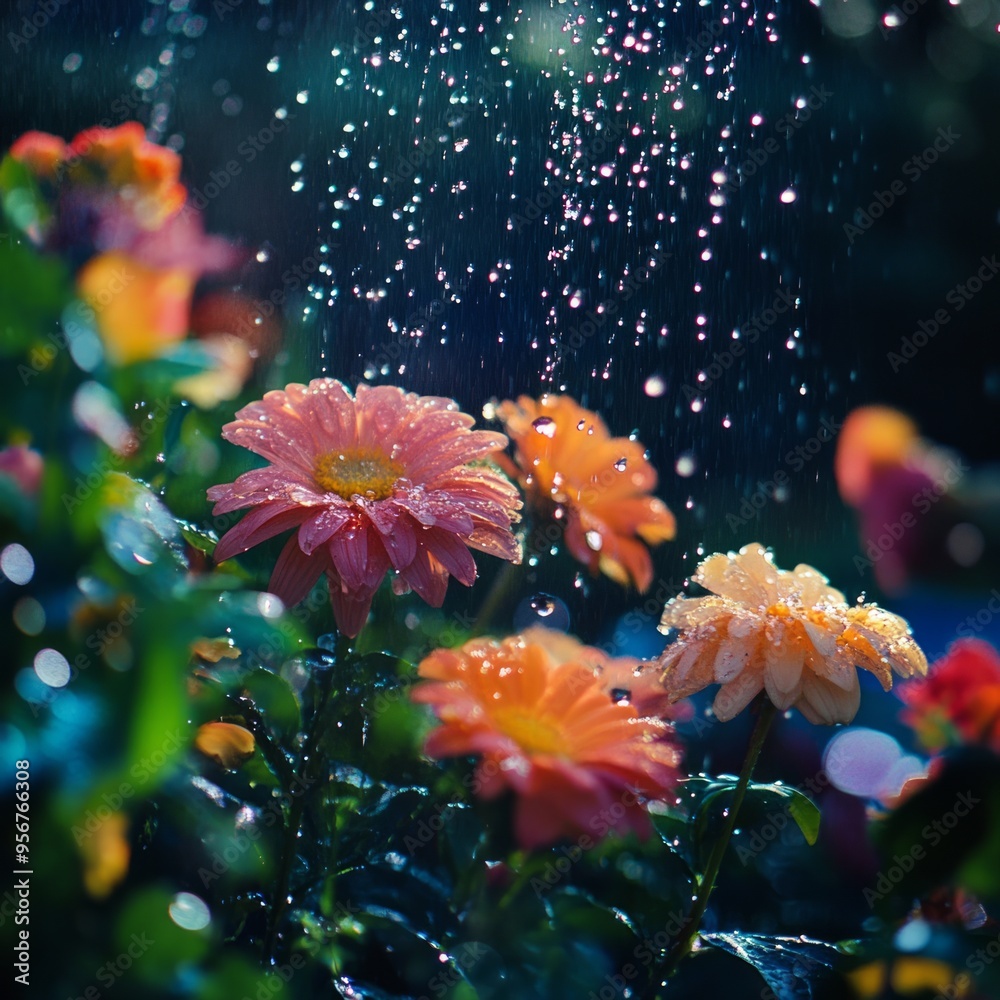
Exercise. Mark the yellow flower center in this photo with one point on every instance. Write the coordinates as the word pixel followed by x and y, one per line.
pixel 365 472
pixel 529 732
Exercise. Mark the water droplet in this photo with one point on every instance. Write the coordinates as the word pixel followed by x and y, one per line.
pixel 545 425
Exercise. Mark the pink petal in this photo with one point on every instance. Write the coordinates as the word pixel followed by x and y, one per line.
pixel 397 530
pixel 435 509
pixel 349 552
pixel 427 577
pixel 350 608
pixel 495 541
pixel 295 572
pixel 320 528
pixel 258 486
pixel 330 411
pixel 451 552
pixel 460 449
pixel 257 526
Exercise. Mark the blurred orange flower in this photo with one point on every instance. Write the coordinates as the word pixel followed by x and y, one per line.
pixel 106 855
pixel 139 311
pixel 40 152
pixel 228 744
pixel 576 760
pixel 872 440
pixel 597 485
pixel 784 632
pixel 113 202
pixel 959 701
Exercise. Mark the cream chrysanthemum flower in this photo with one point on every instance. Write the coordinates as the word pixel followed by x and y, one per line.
pixel 784 632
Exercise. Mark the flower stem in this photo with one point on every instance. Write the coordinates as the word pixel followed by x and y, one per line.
pixel 496 596
pixel 310 768
pixel 690 929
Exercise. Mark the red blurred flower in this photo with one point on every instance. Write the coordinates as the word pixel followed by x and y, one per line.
pixel 548 731
pixel 378 481
pixel 597 485
pixel 959 700
pixel 24 466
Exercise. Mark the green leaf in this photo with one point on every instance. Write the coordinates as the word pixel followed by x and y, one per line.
pixel 23 204
pixel 945 833
pixel 760 798
pixel 275 701
pixel 791 966
pixel 33 292
pixel 806 814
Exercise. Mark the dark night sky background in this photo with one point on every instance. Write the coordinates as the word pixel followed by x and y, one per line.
pixel 890 96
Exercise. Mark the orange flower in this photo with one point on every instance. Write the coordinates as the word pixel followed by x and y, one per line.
pixel 228 744
pixel 40 152
pixel 785 632
pixel 624 678
pixel 140 311
pixel 571 466
pixel 143 172
pixel 873 439
pixel 106 855
pixel 549 732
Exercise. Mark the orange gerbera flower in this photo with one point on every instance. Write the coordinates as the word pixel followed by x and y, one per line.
pixel 575 758
pixel 785 632
pixel 597 485
pixel 624 678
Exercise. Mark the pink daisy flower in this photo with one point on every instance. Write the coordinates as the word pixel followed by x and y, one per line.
pixel 378 481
